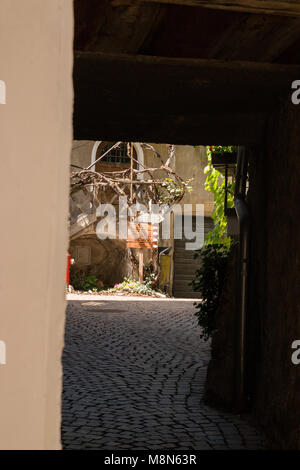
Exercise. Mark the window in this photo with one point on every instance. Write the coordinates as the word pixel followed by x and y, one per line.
pixel 116 155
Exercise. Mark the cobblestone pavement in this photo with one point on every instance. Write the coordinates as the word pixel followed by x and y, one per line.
pixel 134 372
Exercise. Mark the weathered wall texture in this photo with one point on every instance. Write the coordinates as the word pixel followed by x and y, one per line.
pixel 35 141
pixel 274 317
pixel 81 153
pixel 110 260
pixel 190 162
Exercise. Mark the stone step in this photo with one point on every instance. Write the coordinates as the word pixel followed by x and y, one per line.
pixel 184 276
pixel 185 264
pixel 184 259
pixel 183 254
pixel 182 243
pixel 182 284
pixel 182 294
pixel 186 271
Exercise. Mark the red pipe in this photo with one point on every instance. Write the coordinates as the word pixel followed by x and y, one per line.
pixel 69 262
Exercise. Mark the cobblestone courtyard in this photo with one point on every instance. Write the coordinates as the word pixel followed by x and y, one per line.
pixel 134 373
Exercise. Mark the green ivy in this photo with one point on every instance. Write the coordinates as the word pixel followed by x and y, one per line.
pixel 221 149
pixel 215 184
pixel 209 283
pixel 209 279
pixel 131 286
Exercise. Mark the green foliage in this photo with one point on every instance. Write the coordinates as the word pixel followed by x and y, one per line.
pixel 209 283
pixel 171 190
pixel 131 286
pixel 215 184
pixel 151 280
pixel 210 277
pixel 221 149
pixel 84 282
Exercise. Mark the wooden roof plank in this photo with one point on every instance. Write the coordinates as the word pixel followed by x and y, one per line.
pixel 270 7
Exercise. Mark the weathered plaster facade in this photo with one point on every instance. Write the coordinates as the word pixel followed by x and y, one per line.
pixel 109 259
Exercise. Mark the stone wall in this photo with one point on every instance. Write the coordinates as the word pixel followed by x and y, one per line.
pixel 109 262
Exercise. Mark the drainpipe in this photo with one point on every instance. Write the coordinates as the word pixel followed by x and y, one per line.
pixel 243 219
pixel 165 250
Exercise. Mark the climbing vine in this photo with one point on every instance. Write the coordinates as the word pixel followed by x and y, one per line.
pixel 209 283
pixel 215 184
pixel 210 277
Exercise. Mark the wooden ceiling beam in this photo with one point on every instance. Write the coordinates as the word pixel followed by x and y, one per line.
pixel 200 129
pixel 175 100
pixel 269 7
